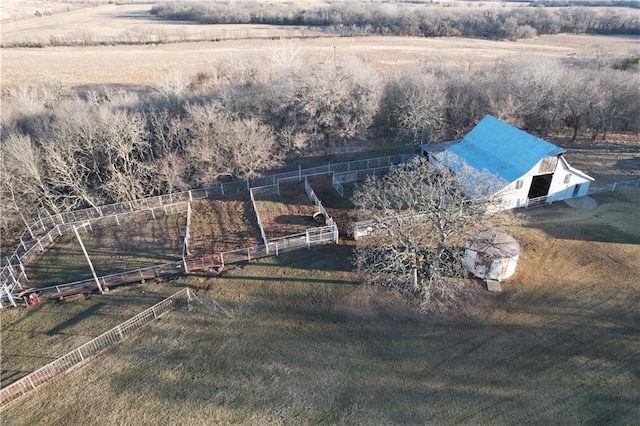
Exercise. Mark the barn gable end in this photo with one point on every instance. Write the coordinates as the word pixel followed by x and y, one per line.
pixel 530 169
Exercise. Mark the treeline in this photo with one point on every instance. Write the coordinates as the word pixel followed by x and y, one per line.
pixel 64 150
pixel 585 3
pixel 384 19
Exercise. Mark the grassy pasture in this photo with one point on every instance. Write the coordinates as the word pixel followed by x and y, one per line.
pixel 311 345
pixel 36 336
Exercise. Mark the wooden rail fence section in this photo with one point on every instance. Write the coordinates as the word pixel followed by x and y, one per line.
pixel 65 363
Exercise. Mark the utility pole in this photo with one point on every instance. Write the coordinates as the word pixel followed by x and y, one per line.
pixel 84 250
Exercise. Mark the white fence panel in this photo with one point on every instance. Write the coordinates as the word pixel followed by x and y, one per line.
pixel 30 382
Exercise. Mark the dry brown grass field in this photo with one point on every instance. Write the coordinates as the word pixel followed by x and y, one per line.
pixel 146 64
pixel 309 344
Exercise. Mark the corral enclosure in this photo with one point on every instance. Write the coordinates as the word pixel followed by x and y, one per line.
pixel 112 249
pixel 284 209
pixel 219 225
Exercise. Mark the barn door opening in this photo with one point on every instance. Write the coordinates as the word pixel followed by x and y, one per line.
pixel 576 190
pixel 540 186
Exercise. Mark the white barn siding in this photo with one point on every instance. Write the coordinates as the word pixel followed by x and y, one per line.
pixel 516 194
pixel 515 158
pixel 565 179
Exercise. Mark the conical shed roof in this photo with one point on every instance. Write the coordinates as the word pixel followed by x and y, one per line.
pixel 494 243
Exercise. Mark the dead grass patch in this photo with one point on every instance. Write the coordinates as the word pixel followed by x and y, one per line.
pixel 222 225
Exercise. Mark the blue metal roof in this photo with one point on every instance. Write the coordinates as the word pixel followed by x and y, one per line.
pixel 501 149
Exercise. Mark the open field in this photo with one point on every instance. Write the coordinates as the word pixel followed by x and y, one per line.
pixel 32 338
pixel 113 249
pixel 189 48
pixel 287 213
pixel 136 66
pixel 222 225
pixel 311 345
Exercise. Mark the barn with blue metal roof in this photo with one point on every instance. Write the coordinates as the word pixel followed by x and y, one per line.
pixel 529 170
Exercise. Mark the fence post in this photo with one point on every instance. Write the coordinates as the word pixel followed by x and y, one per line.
pixel 120 332
pixel 22 271
pixel 6 289
pixel 614 186
pixel 221 189
pixel 307 236
pixel 80 353
pixel 31 381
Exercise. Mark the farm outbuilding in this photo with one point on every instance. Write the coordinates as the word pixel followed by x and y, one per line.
pixel 528 170
pixel 491 255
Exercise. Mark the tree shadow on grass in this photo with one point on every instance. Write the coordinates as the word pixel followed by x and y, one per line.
pixel 80 316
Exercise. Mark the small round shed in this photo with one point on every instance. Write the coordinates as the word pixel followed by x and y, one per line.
pixel 491 254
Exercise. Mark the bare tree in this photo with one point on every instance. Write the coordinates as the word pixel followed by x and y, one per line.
pixel 173 85
pixel 617 105
pixel 420 215
pixel 224 147
pixel 170 172
pixel 416 104
pixel 246 69
pixel 578 98
pixel 333 101
pixel 24 183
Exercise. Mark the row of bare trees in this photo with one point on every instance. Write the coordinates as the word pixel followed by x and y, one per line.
pixel 63 150
pixel 426 20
